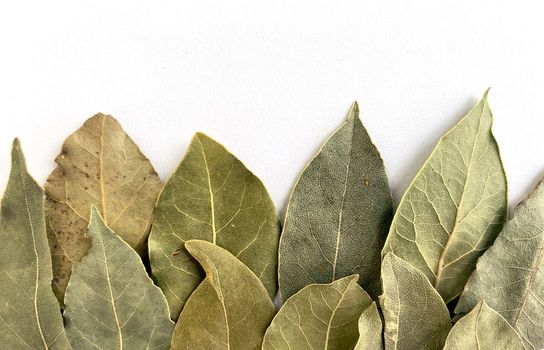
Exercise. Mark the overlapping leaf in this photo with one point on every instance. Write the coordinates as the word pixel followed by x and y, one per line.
pixel 338 214
pixel 212 196
pixel 415 315
pixel 510 275
pixel 455 207
pixel 370 329
pixel 229 310
pixel 111 303
pixel 99 165
pixel 29 312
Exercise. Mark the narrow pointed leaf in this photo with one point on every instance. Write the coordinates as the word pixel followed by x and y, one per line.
pixel 320 316
pixel 338 214
pixel 370 330
pixel 510 275
pixel 99 165
pixel 229 310
pixel 29 311
pixel 455 206
pixel 483 329
pixel 212 196
pixel 415 314
pixel 111 303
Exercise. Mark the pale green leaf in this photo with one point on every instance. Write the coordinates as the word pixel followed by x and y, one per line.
pixel 415 315
pixel 510 275
pixel 111 303
pixel 319 316
pixel 370 329
pixel 455 206
pixel 99 165
pixel 229 310
pixel 483 329
pixel 338 214
pixel 30 316
pixel 212 196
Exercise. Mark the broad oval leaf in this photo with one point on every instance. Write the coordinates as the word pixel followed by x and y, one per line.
pixel 483 329
pixel 229 310
pixel 30 313
pixel 455 206
pixel 370 330
pixel 99 165
pixel 111 303
pixel 415 315
pixel 212 196
pixel 510 275
pixel 319 316
pixel 338 214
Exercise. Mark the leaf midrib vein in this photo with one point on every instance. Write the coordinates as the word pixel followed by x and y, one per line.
pixel 212 203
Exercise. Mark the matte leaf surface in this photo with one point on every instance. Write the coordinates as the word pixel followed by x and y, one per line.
pixel 338 214
pixel 30 316
pixel 455 206
pixel 212 196
pixel 230 309
pixel 370 330
pixel 510 275
pixel 111 303
pixel 99 165
pixel 415 314
pixel 320 316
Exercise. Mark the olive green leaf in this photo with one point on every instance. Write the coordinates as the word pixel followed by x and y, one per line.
pixel 415 314
pixel 99 165
pixel 212 196
pixel 230 309
pixel 338 214
pixel 370 330
pixel 455 206
pixel 319 316
pixel 111 303
pixel 510 275
pixel 29 312
pixel 483 329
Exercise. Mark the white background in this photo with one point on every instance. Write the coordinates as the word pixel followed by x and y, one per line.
pixel 271 80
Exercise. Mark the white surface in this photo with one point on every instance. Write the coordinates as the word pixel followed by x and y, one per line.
pixel 271 80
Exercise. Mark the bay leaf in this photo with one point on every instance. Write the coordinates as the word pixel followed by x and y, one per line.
pixel 230 309
pixel 319 316
pixel 510 274
pixel 338 214
pixel 212 196
pixel 30 314
pixel 414 313
pixel 99 165
pixel 370 329
pixel 455 206
pixel 111 302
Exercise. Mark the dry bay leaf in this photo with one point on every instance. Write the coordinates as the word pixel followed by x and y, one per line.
pixel 370 330
pixel 211 196
pixel 229 310
pixel 29 311
pixel 99 165
pixel 415 315
pixel 510 274
pixel 338 214
pixel 455 206
pixel 111 302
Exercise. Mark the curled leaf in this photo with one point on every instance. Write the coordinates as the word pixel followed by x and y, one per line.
pixel 370 329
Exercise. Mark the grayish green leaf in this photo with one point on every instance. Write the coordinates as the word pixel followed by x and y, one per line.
pixel 338 214
pixel 229 310
pixel 319 316
pixel 415 314
pixel 455 206
pixel 510 275
pixel 483 329
pixel 212 196
pixel 30 316
pixel 99 165
pixel 111 303
pixel 370 330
